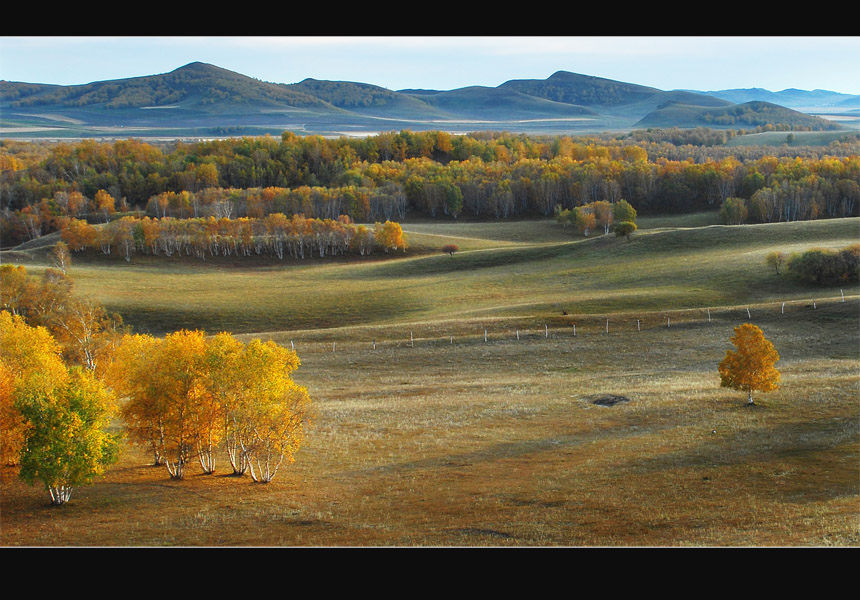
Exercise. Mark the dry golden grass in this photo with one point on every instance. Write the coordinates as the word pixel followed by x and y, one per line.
pixel 497 443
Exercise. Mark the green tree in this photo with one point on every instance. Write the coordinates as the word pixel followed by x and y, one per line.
pixel 622 211
pixel 54 418
pixel 66 444
pixel 625 229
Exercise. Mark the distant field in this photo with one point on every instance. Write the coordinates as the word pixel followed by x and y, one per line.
pixel 525 269
pixel 798 138
pixel 426 434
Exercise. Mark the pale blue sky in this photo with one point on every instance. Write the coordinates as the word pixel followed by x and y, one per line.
pixel 701 63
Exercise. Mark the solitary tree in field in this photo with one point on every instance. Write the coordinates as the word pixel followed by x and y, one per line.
pixel 450 249
pixel 751 367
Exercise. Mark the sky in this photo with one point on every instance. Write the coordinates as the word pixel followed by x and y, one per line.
pixel 449 62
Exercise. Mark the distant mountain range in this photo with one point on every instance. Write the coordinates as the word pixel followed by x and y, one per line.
pixel 202 100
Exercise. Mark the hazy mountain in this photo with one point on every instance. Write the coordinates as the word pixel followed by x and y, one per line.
pixel 199 99
pixel 790 98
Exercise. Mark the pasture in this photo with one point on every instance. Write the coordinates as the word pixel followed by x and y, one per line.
pixel 426 432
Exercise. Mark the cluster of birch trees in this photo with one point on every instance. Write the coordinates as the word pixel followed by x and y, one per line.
pixel 189 395
pixel 67 368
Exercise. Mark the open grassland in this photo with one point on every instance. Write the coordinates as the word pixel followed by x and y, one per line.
pixel 499 443
pixel 426 433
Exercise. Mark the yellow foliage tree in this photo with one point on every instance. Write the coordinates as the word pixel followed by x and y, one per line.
pixel 276 410
pixel 129 375
pixel 751 367
pixel 390 236
pixel 176 377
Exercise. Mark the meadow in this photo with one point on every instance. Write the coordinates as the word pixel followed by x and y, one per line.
pixel 458 398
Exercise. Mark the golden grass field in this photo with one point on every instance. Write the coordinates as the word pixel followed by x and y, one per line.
pixel 436 437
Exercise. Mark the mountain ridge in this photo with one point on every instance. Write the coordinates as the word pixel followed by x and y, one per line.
pixel 203 96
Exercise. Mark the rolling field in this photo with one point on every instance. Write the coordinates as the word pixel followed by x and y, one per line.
pixel 428 433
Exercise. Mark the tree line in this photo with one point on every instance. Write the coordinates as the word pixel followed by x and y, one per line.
pixel 275 235
pixel 485 175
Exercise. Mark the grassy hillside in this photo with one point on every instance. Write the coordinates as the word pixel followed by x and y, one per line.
pixel 531 270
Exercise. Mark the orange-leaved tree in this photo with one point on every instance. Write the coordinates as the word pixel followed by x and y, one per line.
pixel 751 367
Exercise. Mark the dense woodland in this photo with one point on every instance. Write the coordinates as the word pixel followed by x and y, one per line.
pixel 393 176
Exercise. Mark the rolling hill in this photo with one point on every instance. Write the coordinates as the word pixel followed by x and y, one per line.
pixel 748 115
pixel 202 100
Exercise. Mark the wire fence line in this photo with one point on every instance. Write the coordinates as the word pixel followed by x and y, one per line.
pixel 566 326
